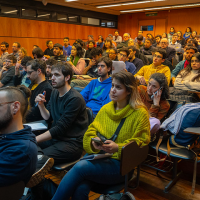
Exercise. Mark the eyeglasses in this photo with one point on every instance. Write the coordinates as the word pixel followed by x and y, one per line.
pixel 29 72
pixel 155 56
pixel 6 103
pixel 195 61
pixel 101 66
pixel 123 55
pixel 8 61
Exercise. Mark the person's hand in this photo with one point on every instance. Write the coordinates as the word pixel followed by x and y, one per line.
pixel 110 147
pixel 17 66
pixel 92 63
pixel 95 145
pixel 173 80
pixel 156 98
pixel 47 56
pixel 142 80
pixel 40 98
pixel 4 68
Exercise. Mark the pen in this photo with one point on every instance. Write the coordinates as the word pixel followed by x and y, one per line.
pixel 38 102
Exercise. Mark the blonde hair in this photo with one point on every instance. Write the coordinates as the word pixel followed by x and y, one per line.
pixel 24 51
pixel 129 81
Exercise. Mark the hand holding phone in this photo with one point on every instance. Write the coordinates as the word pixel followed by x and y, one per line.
pixel 97 142
pixel 152 96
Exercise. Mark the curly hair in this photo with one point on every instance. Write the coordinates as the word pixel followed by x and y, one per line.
pixel 79 50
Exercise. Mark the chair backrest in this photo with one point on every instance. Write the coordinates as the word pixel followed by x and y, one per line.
pixel 90 115
pixel 132 156
pixel 12 192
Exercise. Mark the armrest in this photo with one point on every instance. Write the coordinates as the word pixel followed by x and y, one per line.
pixel 193 130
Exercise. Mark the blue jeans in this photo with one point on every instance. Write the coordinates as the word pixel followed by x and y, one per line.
pixel 79 180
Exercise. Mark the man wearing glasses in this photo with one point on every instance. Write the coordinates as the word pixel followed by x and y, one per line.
pixel 36 73
pixel 146 71
pixel 123 56
pixel 8 71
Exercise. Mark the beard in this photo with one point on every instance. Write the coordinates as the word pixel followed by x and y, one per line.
pixel 60 84
pixel 6 119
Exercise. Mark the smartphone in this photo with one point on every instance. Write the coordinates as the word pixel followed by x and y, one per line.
pixel 156 92
pixel 98 142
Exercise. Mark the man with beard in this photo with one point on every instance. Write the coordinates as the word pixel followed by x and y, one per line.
pixel 96 93
pixel 67 109
pixel 50 62
pixel 18 149
pixel 36 73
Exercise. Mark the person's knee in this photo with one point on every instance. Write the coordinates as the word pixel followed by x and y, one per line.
pixel 81 165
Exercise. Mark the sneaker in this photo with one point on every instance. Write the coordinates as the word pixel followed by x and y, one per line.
pixel 43 166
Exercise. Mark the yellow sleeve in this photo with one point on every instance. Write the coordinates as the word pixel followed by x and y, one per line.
pixel 167 74
pixel 140 72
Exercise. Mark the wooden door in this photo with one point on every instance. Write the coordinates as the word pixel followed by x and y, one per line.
pixel 149 24
pixel 160 27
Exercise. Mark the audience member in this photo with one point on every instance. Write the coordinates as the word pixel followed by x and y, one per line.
pixel 80 42
pixel 49 51
pixel 36 73
pixel 67 48
pixel 193 35
pixel 91 45
pixel 164 35
pixel 147 48
pixel 131 43
pixel 67 109
pixel 190 51
pixel 20 77
pixel 117 38
pixel 170 51
pixel 35 46
pixel 187 33
pixel 156 67
pixel 150 36
pixel 170 34
pixel 114 44
pixel 136 61
pixel 96 93
pixel 18 149
pixel 8 71
pixel 123 56
pixel 158 39
pixel 100 42
pixel 50 62
pixel 107 46
pixel 113 54
pixel 58 52
pixel 125 104
pixel 140 42
pixel 38 53
pixel 76 60
pixel 181 39
pixel 4 49
pixel 15 48
pixel 22 53
pixel 141 34
pixel 126 38
pixel 90 37
pixel 194 43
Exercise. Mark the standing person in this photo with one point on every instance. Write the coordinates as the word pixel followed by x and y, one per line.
pixel 181 39
pixel 49 51
pixel 76 61
pixel 117 38
pixel 4 49
pixel 187 33
pixel 18 147
pixel 125 103
pixel 67 48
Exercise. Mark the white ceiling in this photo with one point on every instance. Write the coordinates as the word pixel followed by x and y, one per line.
pixel 92 4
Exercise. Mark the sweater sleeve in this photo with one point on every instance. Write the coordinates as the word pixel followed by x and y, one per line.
pixel 192 85
pixel 9 76
pixel 167 74
pixel 79 67
pixel 140 72
pixel 177 69
pixel 87 91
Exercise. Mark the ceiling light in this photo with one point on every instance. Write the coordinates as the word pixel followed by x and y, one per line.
pixel 70 0
pixel 43 15
pixel 12 11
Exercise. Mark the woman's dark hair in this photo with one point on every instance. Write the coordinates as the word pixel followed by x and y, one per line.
pixel 92 42
pixel 181 35
pixel 152 38
pixel 107 61
pixel 173 28
pixel 107 40
pixel 79 41
pixel 183 73
pixel 47 42
pixel 38 52
pixel 193 41
pixel 20 93
pixel 96 51
pixel 79 50
pixel 189 28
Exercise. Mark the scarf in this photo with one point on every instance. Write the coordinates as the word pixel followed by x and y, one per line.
pixel 186 63
pixel 75 60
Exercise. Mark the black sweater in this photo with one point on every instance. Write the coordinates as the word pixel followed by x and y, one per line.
pixel 70 119
pixel 34 112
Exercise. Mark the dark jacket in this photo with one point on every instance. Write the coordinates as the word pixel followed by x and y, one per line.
pixel 18 156
pixel 171 52
pixel 7 77
pixel 122 44
pixel 34 112
pixel 146 51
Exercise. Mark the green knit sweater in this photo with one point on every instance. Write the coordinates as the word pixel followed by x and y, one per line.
pixel 135 128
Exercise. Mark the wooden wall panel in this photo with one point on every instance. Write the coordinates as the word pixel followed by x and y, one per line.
pixel 179 19
pixel 32 32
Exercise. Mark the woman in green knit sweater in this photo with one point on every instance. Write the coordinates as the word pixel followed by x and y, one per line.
pixel 126 103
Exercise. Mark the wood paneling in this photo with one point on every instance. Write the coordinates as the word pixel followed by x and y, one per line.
pixel 179 19
pixel 33 32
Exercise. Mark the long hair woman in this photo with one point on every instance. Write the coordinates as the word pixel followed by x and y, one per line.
pixel 107 46
pixel 126 103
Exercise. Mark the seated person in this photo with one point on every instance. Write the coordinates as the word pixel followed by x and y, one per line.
pixel 18 147
pixel 8 71
pixel 189 77
pixel 156 67
pixel 141 34
pixel 125 104
pixel 123 56
pixel 126 38
pixel 58 52
pixel 140 42
pixel 50 62
pixel 158 39
pixel 107 46
pixel 38 54
pixel 136 61
pixel 147 48
pixel 20 78
pixel 113 54
pixel 36 73
pixel 100 42
pixel 64 140
pixel 76 59
pixel 96 93
pixel 156 103
pixel 190 51
pixel 91 45
pixel 91 69
pixel 49 51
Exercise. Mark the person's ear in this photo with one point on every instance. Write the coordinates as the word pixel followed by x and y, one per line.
pixel 67 78
pixel 15 107
pixel 39 71
pixel 163 60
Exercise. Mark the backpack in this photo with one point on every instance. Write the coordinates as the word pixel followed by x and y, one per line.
pixel 117 196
